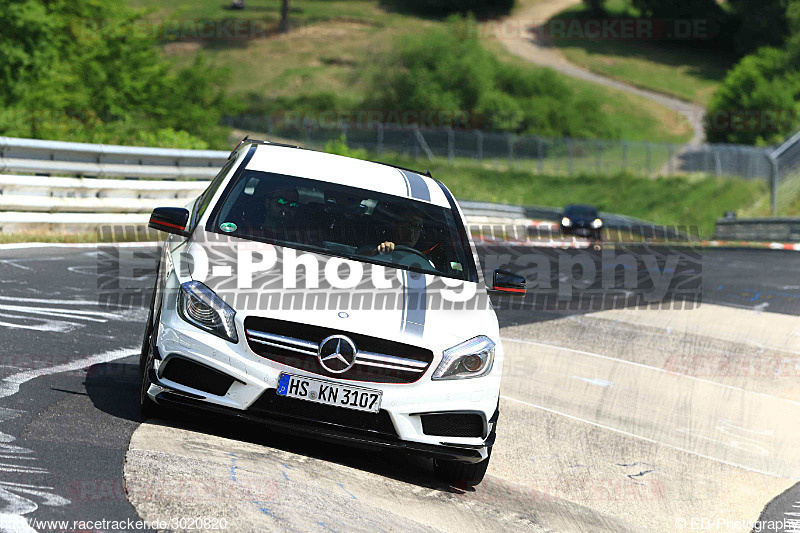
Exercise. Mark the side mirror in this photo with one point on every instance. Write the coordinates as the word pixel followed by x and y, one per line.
pixel 505 281
pixel 170 219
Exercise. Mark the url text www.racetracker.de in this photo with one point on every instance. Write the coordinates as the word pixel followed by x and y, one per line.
pixel 184 523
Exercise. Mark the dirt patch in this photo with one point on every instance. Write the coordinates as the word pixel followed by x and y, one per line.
pixel 182 48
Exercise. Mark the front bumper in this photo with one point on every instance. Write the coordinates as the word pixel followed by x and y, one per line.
pixel 254 378
pixel 327 431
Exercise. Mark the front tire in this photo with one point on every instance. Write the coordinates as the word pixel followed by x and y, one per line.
pixel 461 474
pixel 147 407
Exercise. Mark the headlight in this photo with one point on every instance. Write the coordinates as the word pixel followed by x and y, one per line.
pixel 597 223
pixel 198 305
pixel 470 359
pixel 566 222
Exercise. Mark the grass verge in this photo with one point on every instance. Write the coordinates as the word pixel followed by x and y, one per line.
pixel 334 42
pixel 677 200
pixel 664 66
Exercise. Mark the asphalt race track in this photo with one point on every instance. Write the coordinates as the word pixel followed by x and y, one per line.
pixel 614 416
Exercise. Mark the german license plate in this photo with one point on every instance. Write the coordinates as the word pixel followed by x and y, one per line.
pixel 328 393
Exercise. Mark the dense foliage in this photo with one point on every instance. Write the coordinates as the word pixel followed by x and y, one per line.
pixel 80 70
pixel 757 102
pixel 481 8
pixel 450 72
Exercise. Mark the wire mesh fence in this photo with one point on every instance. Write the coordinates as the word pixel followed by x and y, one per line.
pixel 779 168
pixel 560 156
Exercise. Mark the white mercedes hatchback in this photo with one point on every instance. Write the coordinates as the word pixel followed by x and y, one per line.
pixel 330 297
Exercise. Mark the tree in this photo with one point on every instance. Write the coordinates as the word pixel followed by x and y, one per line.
pixel 761 23
pixel 756 102
pixel 284 16
pixel 595 6
pixel 78 69
pixel 480 8
pixel 679 9
pixel 793 41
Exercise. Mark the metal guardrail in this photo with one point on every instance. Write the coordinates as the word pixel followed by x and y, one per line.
pixel 15 148
pixel 60 158
pixel 49 194
pixel 758 229
pixel 155 178
pixel 481 213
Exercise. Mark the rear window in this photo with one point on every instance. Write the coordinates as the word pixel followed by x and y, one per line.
pixel 580 211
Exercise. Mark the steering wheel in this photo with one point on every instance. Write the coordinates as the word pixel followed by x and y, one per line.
pixel 409 249
pixel 414 252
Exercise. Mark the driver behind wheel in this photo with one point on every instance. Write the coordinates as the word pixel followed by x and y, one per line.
pixel 404 230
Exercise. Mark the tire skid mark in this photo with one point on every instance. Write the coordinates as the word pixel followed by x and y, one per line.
pixel 15 313
pixel 20 499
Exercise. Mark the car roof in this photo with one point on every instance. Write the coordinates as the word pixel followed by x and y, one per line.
pixel 347 171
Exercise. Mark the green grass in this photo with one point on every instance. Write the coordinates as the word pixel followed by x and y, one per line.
pixel 132 235
pixel 678 200
pixel 335 41
pixel 665 67
pixel 329 42
pixel 635 117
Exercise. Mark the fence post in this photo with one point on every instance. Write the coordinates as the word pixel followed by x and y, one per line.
pixel 539 154
pixel 597 164
pixel 624 155
pixel 670 162
pixel 570 162
pixel 415 137
pixel 344 133
pixel 451 149
pixel 269 126
pixel 479 137
pixel 510 141
pixel 380 138
pixel 773 163
pixel 308 131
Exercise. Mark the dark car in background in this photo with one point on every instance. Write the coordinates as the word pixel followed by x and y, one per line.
pixel 582 221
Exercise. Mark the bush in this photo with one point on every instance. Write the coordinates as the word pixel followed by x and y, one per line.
pixel 339 147
pixel 481 8
pixel 756 104
pixel 449 71
pixel 595 6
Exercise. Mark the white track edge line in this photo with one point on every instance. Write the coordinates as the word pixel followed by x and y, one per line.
pixel 646 439
pixel 641 365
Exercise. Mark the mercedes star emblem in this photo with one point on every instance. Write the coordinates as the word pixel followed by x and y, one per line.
pixel 337 354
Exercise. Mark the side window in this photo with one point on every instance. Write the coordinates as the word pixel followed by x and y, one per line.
pixel 204 199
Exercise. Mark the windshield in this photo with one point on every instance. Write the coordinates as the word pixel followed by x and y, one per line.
pixel 345 221
pixel 580 211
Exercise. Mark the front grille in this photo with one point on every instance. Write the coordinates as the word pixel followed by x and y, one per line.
pixel 271 405
pixel 196 376
pixel 296 345
pixel 453 425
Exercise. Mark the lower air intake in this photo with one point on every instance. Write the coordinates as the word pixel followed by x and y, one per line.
pixel 197 376
pixel 453 425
